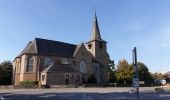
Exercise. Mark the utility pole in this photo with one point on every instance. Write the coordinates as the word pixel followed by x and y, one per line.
pixel 135 76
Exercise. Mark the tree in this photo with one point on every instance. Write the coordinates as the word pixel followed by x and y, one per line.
pixel 167 76
pixel 112 75
pixel 158 76
pixel 5 73
pixel 111 65
pixel 144 74
pixel 124 72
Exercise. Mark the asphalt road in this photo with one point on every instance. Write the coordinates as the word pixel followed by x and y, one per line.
pixel 84 94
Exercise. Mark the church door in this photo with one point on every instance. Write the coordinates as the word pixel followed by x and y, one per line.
pixel 67 79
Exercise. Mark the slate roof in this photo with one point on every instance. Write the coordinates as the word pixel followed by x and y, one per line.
pixel 60 68
pixel 30 48
pixel 49 47
pixel 77 48
pixel 96 31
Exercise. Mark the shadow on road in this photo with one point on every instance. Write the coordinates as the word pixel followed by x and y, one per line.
pixel 87 96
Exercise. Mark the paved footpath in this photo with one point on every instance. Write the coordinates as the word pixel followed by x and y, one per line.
pixel 146 93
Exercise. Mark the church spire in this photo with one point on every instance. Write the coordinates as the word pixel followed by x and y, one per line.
pixel 96 31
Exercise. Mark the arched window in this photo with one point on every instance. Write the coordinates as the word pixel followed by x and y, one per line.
pixel 83 67
pixel 48 61
pixel 30 62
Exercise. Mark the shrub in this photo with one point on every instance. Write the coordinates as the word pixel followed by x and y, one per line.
pixel 28 84
pixel 92 79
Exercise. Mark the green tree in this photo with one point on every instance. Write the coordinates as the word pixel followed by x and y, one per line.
pixel 111 65
pixel 158 76
pixel 167 76
pixel 5 73
pixel 112 77
pixel 144 74
pixel 124 72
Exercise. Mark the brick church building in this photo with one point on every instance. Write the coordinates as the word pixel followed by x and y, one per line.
pixel 58 63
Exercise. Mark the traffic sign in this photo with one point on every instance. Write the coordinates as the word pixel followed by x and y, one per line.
pixel 135 82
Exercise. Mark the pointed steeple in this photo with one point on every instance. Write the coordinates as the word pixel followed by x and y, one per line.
pixel 96 31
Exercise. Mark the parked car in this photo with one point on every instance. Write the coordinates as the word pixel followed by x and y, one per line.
pixel 163 82
pixel 160 82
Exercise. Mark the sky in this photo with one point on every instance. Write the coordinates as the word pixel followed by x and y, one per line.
pixel 124 24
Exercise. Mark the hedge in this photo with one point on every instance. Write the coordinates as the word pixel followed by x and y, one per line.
pixel 28 84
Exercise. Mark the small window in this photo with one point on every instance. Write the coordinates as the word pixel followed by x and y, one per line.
pixel 78 78
pixel 89 46
pixel 48 61
pixel 65 61
pixel 67 76
pixel 100 45
pixel 43 77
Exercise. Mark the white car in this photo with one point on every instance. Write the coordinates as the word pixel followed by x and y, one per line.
pixel 160 82
pixel 163 82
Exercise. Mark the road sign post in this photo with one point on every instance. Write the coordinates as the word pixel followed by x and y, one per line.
pixel 135 81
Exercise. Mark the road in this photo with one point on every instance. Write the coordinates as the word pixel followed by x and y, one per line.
pixel 146 93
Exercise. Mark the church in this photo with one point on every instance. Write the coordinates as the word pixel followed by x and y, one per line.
pixel 58 63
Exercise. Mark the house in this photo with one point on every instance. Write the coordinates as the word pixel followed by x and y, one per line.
pixel 58 63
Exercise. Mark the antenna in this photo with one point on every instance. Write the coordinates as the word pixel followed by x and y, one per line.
pixel 95 10
pixel 95 7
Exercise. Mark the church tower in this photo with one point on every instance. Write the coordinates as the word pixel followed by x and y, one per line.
pixel 97 47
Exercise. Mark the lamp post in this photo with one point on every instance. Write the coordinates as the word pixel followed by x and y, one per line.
pixel 135 76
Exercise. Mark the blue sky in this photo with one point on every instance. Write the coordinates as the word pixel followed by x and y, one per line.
pixel 124 24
